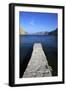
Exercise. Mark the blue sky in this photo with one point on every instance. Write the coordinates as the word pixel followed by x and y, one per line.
pixel 33 22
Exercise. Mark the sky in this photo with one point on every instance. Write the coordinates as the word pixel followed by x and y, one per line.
pixel 33 22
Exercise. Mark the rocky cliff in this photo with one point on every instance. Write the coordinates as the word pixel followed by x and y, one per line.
pixel 22 31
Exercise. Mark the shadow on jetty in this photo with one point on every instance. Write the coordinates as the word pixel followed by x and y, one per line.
pixel 25 55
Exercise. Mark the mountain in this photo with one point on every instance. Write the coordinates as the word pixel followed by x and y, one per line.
pixel 53 32
pixel 41 33
pixel 22 31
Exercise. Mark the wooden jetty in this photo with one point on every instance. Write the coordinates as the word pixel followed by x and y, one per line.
pixel 38 64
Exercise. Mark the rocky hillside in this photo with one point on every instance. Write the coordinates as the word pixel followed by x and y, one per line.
pixel 53 32
pixel 22 31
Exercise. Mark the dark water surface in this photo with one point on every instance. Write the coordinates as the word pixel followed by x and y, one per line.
pixel 49 43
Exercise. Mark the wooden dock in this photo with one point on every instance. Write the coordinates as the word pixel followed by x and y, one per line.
pixel 38 64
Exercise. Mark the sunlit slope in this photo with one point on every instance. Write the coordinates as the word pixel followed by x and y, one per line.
pixel 22 31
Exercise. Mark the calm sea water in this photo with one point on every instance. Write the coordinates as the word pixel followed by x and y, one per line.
pixel 49 44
